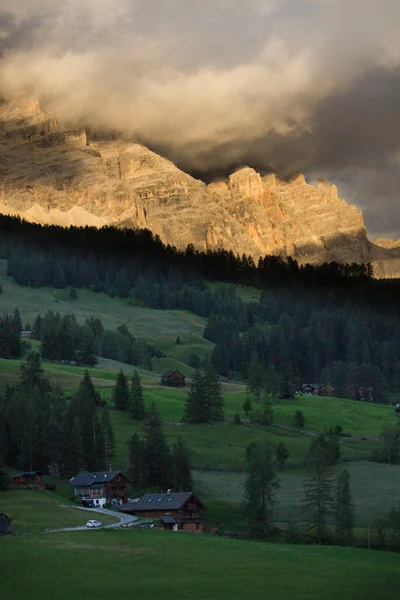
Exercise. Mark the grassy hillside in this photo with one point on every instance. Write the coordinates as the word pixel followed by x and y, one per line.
pixel 158 327
pixel 374 488
pixel 109 564
pixel 32 511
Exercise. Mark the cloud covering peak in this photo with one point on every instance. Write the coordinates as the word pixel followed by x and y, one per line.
pixel 283 84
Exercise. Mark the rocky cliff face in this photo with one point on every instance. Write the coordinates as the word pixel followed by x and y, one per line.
pixel 52 175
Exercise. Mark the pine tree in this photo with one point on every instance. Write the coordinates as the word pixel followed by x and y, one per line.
pixel 17 323
pixel 181 473
pixel 121 393
pixel 76 450
pixel 260 486
pixel 108 437
pixel 214 400
pixel 137 470
pixel 344 510
pixel 255 377
pixel 138 410
pixel 318 500
pixel 271 381
pixel 156 452
pixel 282 454
pixel 247 407
pixel 196 410
pixel 298 420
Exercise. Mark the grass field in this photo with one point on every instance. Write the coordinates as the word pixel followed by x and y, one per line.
pixel 32 511
pixel 375 488
pixel 156 564
pixel 158 327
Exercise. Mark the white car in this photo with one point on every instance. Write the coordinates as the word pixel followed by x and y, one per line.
pixel 92 523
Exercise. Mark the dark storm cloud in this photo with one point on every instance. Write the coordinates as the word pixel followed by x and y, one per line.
pixel 285 84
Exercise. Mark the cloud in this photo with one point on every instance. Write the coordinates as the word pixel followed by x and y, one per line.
pixel 287 84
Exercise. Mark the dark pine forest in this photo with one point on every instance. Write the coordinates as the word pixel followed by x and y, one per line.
pixel 331 324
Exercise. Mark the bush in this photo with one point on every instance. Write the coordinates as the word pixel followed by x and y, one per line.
pixel 237 420
pixel 50 487
pixel 298 420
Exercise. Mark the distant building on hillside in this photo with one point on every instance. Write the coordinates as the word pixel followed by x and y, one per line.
pixel 29 479
pixel 27 334
pixel 102 487
pixel 174 378
pixel 178 511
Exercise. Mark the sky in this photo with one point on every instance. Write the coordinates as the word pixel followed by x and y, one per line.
pixel 283 85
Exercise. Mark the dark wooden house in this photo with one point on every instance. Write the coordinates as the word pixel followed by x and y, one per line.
pixel 174 378
pixel 101 486
pixel 29 479
pixel 5 524
pixel 178 511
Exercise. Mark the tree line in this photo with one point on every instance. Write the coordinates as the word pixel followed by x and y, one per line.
pixel 331 324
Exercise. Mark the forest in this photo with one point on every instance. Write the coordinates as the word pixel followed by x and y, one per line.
pixel 331 324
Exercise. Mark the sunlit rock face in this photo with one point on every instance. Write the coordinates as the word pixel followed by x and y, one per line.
pixel 52 175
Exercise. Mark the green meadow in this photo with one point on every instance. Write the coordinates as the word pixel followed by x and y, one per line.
pixel 33 511
pixel 156 564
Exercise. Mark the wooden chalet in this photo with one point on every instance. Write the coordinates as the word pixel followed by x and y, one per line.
pixel 173 377
pixel 5 524
pixel 178 511
pixel 101 486
pixel 29 479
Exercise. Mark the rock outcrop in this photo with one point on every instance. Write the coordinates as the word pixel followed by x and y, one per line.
pixel 52 175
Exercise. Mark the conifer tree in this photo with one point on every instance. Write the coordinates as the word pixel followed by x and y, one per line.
pixel 138 410
pixel 76 450
pixel 156 452
pixel 121 393
pixel 196 410
pixel 247 407
pixel 137 470
pixel 260 486
pixel 255 377
pixel 17 323
pixel 108 437
pixel 181 473
pixel 344 510
pixel 318 486
pixel 214 400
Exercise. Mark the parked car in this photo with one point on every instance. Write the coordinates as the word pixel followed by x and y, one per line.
pixel 92 523
pixel 87 503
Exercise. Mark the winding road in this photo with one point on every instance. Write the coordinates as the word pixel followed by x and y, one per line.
pixel 123 519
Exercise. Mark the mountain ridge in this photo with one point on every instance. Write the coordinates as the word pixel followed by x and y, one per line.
pixel 54 175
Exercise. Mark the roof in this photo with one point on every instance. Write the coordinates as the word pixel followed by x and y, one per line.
pixel 150 502
pixel 3 516
pixel 170 372
pixel 27 474
pixel 87 479
pixel 168 520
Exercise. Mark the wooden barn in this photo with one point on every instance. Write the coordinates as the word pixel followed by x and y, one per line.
pixel 29 478
pixel 174 378
pixel 101 486
pixel 178 511
pixel 5 524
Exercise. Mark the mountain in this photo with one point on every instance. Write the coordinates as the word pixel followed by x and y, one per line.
pixel 53 175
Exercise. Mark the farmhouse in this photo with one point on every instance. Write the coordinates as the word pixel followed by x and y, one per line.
pixel 102 486
pixel 29 478
pixel 5 524
pixel 173 377
pixel 178 511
